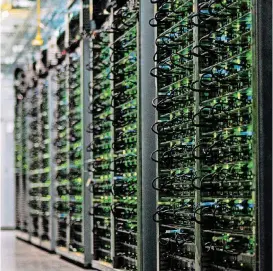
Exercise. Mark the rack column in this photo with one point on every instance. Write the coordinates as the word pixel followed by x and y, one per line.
pixel 263 104
pixel 197 200
pixel 146 141
pixel 85 26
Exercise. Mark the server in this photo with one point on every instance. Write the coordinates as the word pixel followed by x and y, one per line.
pixel 140 137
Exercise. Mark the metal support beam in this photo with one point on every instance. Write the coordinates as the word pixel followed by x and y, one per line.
pixel 52 87
pixel 146 141
pixel 263 43
pixel 197 200
pixel 85 80
pixel 112 217
pixel 67 73
pixel 28 145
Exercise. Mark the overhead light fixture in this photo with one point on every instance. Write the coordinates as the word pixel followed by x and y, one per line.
pixel 38 41
pixel 105 12
pixel 4 14
pixel 17 48
pixel 5 6
pixel 8 60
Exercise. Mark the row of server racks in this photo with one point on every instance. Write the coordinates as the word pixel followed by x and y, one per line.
pixel 143 136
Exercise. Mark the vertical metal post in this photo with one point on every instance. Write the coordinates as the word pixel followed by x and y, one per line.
pixel 52 86
pixel 112 217
pixel 67 73
pixel 21 165
pixel 26 104
pixel 21 200
pixel 146 141
pixel 85 80
pixel 17 174
pixel 263 87
pixel 40 97
pixel 91 138
pixel 156 144
pixel 196 68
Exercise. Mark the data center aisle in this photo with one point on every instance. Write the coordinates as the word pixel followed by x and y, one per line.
pixel 17 255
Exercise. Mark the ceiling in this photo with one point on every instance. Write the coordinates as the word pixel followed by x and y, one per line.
pixel 19 25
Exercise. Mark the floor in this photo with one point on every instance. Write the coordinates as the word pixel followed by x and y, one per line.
pixel 17 255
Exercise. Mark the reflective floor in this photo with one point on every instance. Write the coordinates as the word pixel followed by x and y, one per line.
pixel 19 256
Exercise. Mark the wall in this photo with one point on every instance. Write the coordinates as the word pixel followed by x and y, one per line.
pixel 6 149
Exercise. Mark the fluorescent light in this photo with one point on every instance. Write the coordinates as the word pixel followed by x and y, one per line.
pixel 9 127
pixel 17 48
pixel 4 14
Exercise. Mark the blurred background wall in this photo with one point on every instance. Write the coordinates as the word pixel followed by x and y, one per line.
pixel 6 147
pixel 14 15
pixel 18 24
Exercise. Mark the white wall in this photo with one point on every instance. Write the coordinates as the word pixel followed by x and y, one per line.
pixel 7 153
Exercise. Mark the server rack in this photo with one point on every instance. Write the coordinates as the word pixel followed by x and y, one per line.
pixel 115 230
pixel 39 181
pixel 61 94
pixel 59 147
pixel 49 102
pixel 207 50
pixel 175 134
pixel 100 180
pixel 118 141
pixel 59 104
pixel 20 150
pixel 71 203
pixel 37 190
